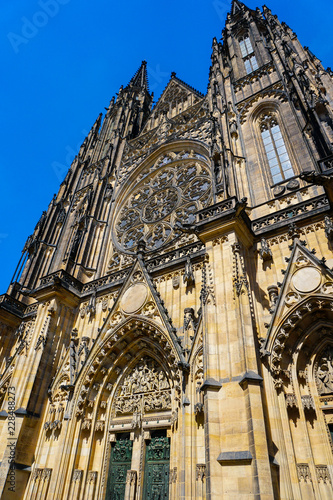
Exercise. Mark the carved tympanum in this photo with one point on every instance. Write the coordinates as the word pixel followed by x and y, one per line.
pixel 146 389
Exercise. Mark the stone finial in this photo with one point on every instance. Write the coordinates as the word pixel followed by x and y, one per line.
pixel 141 248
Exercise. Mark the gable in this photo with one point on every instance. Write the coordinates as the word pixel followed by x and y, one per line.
pixel 306 297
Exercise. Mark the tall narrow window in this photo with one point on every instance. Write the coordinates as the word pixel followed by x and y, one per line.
pixel 249 58
pixel 277 156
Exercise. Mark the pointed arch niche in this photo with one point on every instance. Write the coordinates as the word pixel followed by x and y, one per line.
pixel 301 363
pixel 127 395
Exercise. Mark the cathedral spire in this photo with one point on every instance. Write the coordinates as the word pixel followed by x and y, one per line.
pixel 140 78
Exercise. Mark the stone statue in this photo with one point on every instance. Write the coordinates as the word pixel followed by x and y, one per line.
pixel 265 252
pixel 188 277
pixel 72 357
pixel 328 228
pixel 325 373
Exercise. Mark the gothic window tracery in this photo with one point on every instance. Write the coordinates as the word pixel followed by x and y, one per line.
pixel 275 148
pixel 173 192
pixel 248 55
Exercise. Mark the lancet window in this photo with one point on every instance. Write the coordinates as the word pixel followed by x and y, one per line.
pixel 249 58
pixel 275 148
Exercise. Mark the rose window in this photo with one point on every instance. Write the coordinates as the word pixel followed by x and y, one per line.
pixel 160 204
pixel 173 192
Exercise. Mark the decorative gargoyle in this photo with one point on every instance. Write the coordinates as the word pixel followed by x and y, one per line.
pixel 73 356
pixel 190 321
pixel 273 292
pixel 241 205
pixel 328 228
pixel 91 307
pixel 320 180
pixel 265 252
pixel 188 277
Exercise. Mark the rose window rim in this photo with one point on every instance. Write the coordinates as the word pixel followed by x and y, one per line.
pixel 150 183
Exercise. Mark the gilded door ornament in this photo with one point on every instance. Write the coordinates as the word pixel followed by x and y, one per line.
pixel 175 192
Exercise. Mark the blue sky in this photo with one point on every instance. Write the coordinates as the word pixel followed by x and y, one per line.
pixel 62 62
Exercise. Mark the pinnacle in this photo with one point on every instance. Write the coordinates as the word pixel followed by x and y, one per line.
pixel 140 78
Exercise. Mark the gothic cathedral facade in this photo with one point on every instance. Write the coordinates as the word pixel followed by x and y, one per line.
pixel 168 333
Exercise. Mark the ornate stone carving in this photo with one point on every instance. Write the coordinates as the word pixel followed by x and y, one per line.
pixel 77 475
pixel 144 390
pixel 92 477
pixel 37 474
pixel 170 194
pixel 173 475
pixel 265 252
pixel 91 307
pixel 131 477
pixel 324 372
pixel 188 277
pixel 86 424
pixel 73 356
pixel 273 293
pixel 46 474
pixel 291 298
pixel 328 228
pixel 175 281
pixel 308 403
pixel 198 408
pixel 200 472
pixel 190 322
pixel 312 304
pixel 83 351
pixel 281 217
pixel 291 401
pixel 99 426
pixel 323 474
pixel 303 473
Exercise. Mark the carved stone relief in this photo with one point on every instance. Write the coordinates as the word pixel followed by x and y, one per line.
pixel 146 389
pixel 324 372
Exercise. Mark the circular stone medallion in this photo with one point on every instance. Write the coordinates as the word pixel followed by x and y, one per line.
pixel 134 298
pixel 278 190
pixel 306 279
pixel 294 184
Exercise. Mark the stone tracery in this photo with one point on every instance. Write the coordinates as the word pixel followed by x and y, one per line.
pixel 179 187
pixel 144 390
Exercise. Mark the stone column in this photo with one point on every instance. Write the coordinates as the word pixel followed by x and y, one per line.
pixel 91 485
pixel 130 490
pixel 200 478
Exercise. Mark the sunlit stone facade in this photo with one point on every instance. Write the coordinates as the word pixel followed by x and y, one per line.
pixel 168 333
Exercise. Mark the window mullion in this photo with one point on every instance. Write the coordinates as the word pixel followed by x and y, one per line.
pixel 275 150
